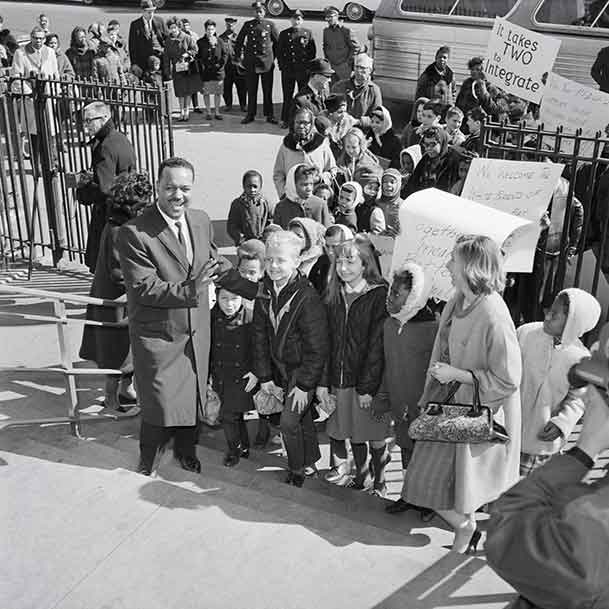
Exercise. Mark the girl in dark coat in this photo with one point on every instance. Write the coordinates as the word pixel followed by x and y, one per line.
pixel 231 360
pixel 433 170
pixel 109 347
pixel 383 142
pixel 212 56
pixel 356 312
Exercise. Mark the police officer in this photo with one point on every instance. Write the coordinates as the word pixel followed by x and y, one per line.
pixel 234 70
pixel 257 41
pixel 295 49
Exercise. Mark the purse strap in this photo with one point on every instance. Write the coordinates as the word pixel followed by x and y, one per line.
pixel 476 403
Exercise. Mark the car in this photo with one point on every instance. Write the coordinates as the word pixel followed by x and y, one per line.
pixel 353 11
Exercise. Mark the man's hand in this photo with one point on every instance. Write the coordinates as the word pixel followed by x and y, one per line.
pixel 594 437
pixel 549 433
pixel 206 275
pixel 365 401
pixel 252 381
pixel 323 395
pixel 300 399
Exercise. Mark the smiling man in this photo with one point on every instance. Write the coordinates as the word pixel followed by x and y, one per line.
pixel 168 260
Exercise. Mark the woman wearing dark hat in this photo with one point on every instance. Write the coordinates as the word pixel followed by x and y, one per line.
pixel 109 347
pixel 230 363
pixel 212 55
pixel 178 57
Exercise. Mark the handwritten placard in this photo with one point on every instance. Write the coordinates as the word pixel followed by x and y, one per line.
pixel 519 188
pixel 573 106
pixel 384 246
pixel 518 60
pixel 433 220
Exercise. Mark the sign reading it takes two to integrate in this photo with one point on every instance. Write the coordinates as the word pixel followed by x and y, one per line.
pixel 519 60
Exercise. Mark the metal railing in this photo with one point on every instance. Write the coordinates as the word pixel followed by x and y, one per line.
pixel 586 159
pixel 66 368
pixel 43 141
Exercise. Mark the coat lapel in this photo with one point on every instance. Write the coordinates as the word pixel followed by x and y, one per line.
pixel 198 238
pixel 168 239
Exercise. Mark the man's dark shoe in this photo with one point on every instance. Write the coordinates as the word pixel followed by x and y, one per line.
pixel 144 469
pixel 283 125
pixel 243 109
pixel 298 480
pixel 247 119
pixel 399 506
pixel 190 464
pixel 272 120
pixel 231 460
pixel 198 110
pixel 244 453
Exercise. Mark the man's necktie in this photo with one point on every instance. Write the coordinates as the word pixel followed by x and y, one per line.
pixel 181 240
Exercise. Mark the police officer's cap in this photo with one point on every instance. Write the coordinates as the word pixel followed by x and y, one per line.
pixel 230 19
pixel 257 5
pixel 331 9
pixel 298 13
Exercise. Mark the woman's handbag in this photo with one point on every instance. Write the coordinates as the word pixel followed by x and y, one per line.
pixel 457 423
pixel 211 409
pixel 268 403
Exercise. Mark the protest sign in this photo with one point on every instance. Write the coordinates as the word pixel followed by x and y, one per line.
pixel 573 106
pixel 384 246
pixel 517 59
pixel 433 220
pixel 519 188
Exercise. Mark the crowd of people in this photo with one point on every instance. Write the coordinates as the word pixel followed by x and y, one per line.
pixel 304 328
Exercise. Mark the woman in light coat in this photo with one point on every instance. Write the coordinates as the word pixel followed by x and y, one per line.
pixel 476 334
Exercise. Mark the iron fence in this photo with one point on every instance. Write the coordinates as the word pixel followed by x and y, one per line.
pixel 43 143
pixel 585 262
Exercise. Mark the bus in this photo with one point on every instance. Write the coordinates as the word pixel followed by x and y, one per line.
pixel 405 35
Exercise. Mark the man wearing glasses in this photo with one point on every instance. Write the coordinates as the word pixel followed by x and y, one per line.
pixel 112 155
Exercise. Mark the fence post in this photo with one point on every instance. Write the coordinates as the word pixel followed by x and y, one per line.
pixel 48 167
pixel 59 309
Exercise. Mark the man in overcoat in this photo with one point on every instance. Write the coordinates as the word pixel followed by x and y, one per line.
pixel 257 42
pixel 146 36
pixel 112 154
pixel 234 75
pixel 168 260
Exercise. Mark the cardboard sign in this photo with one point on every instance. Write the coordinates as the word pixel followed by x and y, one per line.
pixel 573 106
pixel 517 59
pixel 384 246
pixel 433 220
pixel 518 188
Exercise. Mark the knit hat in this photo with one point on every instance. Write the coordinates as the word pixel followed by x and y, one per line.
pixel 232 281
pixel 414 152
pixel 584 313
pixel 419 292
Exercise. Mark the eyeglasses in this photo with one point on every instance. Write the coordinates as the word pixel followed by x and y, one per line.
pixel 92 118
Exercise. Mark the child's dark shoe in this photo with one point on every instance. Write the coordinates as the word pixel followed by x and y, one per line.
pixel 244 453
pixel 231 460
pixel 298 480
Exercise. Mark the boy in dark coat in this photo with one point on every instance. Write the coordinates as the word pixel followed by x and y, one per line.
pixel 231 360
pixel 290 348
pixel 249 213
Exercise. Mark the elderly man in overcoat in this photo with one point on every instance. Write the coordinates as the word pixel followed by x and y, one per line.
pixel 167 256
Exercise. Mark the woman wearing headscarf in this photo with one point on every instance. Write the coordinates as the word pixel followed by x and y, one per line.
pixel 178 56
pixel 433 170
pixel 383 142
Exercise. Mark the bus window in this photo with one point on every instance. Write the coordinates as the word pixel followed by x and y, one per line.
pixel 575 12
pixel 463 8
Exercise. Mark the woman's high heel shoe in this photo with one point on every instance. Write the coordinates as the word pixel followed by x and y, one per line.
pixel 472 546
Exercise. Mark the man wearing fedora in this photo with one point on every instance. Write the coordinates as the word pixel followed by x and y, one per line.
pixel 146 36
pixel 234 72
pixel 257 42
pixel 339 44
pixel 313 95
pixel 295 50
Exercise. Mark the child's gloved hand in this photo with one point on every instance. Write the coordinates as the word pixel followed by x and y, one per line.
pixel 549 433
pixel 252 381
